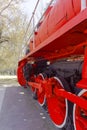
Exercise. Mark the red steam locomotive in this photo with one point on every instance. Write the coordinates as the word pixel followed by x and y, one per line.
pixel 55 68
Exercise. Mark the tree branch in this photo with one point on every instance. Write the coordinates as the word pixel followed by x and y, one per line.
pixel 4 40
pixel 5 7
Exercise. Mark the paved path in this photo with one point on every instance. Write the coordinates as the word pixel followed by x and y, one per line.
pixel 18 111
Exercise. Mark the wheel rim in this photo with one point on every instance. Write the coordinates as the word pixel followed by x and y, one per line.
pixel 57 107
pixel 41 96
pixel 80 115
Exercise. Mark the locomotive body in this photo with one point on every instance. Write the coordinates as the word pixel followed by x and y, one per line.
pixel 56 67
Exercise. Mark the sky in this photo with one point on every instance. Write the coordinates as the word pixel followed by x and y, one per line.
pixel 28 8
pixel 29 5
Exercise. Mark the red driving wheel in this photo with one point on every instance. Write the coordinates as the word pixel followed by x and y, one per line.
pixel 57 106
pixel 41 95
pixel 79 114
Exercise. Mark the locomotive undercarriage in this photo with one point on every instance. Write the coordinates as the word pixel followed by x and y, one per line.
pixel 54 86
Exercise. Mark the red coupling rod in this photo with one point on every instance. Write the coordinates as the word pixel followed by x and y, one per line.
pixel 71 97
pixel 36 85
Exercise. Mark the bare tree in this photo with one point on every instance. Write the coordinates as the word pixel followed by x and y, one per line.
pixel 12 29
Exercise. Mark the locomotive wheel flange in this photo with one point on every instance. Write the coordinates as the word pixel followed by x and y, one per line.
pixel 79 114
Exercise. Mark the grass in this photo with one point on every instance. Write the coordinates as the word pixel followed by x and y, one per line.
pixel 8 80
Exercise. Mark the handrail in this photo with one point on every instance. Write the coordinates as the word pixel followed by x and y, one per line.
pixel 39 19
pixel 32 16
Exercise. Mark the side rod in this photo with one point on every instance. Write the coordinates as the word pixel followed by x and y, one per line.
pixel 71 97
